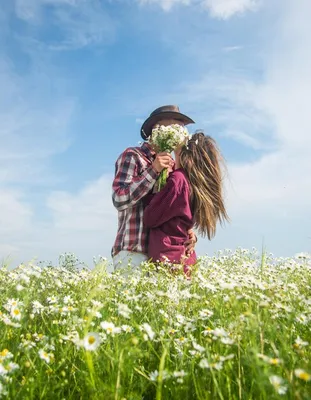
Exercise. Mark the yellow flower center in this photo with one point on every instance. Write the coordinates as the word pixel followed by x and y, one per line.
pixel 92 340
pixel 4 352
pixel 305 376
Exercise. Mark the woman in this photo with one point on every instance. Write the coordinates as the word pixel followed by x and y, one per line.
pixel 192 197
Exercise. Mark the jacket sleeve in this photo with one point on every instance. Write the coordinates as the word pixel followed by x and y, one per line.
pixel 129 186
pixel 170 202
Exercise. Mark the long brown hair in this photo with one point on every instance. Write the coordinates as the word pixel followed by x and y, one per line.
pixel 201 161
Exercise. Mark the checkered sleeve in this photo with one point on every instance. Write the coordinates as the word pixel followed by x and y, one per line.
pixel 130 185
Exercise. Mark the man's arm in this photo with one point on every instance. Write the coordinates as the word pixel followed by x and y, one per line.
pixel 128 186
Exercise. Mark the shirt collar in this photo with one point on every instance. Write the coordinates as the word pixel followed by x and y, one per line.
pixel 147 149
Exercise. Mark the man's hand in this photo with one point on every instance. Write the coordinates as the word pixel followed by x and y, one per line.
pixel 190 243
pixel 162 160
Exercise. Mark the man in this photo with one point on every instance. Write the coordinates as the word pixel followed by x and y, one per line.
pixel 136 172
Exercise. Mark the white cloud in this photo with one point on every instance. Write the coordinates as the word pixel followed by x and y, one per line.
pixel 16 217
pixel 229 49
pixel 35 122
pixel 222 9
pixel 84 223
pixel 246 139
pixel 79 23
pixel 167 5
pixel 225 9
pixel 229 104
pixel 89 210
pixel 15 214
pixel 273 194
pixel 33 126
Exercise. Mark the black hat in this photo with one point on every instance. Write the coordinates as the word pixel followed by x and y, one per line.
pixel 164 112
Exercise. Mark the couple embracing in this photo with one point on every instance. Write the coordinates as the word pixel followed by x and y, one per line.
pixel 158 224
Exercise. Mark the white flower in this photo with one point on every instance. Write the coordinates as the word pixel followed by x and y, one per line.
pixel 227 340
pixel 154 375
pixel 124 310
pixel 167 138
pixel 37 307
pixel 303 319
pixel 16 313
pixel 226 358
pixel 110 328
pixel 25 278
pixel 301 343
pixel 127 328
pixel 11 366
pixel 204 363
pixel 218 366
pixel 304 256
pixel 302 374
pixel 5 355
pixel 197 347
pixel 204 314
pixel 227 285
pixel 52 300
pixel 219 332
pixel 12 303
pixel 91 341
pixel 181 340
pixel 3 392
pixel 44 356
pixel 179 374
pixel 68 300
pixel 277 382
pixel 147 328
pixel 272 361
pixel 3 371
pixel 97 304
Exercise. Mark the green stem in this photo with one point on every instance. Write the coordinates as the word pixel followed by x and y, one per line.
pixel 118 385
pixel 160 377
pixel 163 178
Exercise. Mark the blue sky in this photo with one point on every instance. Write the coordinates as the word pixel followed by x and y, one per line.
pixel 78 77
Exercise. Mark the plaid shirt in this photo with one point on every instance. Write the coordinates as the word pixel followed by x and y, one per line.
pixel 134 179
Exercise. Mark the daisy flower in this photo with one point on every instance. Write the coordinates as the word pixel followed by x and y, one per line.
pixel 110 328
pixel 302 374
pixel 44 356
pixel 91 341
pixel 147 328
pixel 16 313
pixel 277 383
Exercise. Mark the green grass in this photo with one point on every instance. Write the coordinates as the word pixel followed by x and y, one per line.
pixel 240 329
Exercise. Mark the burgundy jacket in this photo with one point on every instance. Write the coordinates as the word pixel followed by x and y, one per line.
pixel 169 217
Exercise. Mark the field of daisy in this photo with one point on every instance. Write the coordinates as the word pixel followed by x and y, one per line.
pixel 239 329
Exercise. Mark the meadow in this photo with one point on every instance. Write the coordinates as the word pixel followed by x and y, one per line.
pixel 239 329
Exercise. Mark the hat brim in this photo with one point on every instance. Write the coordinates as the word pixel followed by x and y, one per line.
pixel 147 126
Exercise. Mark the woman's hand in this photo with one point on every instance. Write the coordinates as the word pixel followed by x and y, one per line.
pixel 190 243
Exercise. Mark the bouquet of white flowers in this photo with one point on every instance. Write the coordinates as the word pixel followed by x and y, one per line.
pixel 167 138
